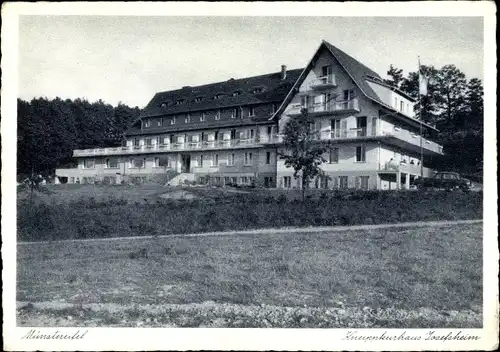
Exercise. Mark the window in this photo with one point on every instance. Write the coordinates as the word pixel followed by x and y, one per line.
pixel 268 157
pixel 161 161
pixel 268 181
pixel 326 71
pixel 180 101
pixel 215 160
pixel 137 163
pixel 233 180
pixel 234 112
pixel 360 154
pixel 401 105
pixel 160 122
pixel 187 119
pixel 244 180
pixel 88 163
pixel 364 182
pixel 349 94
pixel 201 161
pixel 198 99
pixel 334 156
pixel 251 111
pixel 248 158
pixel 112 163
pixel 274 108
pixel 136 142
pixel 343 182
pixel 287 181
pixel 257 90
pixel 148 142
pixel 235 94
pixel 230 159
pixel 395 102
pixel 304 101
pixel 147 123
pixel 172 121
pixel 335 128
pixel 218 96
pixel 203 116
pixel 217 115
pixel 163 105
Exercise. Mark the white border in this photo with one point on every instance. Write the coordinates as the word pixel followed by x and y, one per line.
pixel 242 339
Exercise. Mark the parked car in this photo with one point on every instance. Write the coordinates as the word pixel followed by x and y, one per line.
pixel 444 180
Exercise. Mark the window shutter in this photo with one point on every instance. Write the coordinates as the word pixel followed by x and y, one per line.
pixel 343 128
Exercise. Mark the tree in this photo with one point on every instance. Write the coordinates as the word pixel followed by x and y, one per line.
pixel 475 105
pixel 396 76
pixel 49 131
pixel 427 107
pixel 302 149
pixel 451 84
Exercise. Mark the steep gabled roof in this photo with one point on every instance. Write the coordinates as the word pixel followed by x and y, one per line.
pixel 358 72
pixel 273 89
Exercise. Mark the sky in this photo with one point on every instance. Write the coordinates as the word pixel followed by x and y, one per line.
pixel 128 59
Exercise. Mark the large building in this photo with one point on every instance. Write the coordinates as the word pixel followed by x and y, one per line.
pixel 230 132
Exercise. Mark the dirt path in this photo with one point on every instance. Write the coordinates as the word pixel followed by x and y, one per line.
pixel 271 231
pixel 211 314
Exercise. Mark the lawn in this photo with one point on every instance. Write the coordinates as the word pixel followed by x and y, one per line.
pixel 391 278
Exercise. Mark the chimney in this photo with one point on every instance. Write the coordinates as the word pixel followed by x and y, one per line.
pixel 283 71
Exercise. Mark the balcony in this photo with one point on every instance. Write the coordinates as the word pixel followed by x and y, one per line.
pixel 170 147
pixel 331 107
pixel 324 82
pixel 408 139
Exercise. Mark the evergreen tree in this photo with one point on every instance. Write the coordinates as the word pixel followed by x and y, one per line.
pixel 395 76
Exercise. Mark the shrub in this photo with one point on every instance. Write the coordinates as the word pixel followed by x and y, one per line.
pixel 87 218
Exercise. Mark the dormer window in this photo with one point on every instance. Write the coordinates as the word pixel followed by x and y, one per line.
pixel 187 119
pixel 235 94
pixel 147 123
pixel 203 116
pixel 218 96
pixel 172 121
pixel 258 90
pixel 164 105
pixel 217 115
pixel 198 99
pixel 160 122
pixel 180 101
pixel 251 111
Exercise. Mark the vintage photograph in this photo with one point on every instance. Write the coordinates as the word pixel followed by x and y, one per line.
pixel 249 172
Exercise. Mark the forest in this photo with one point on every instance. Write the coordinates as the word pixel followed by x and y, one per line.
pixel 49 130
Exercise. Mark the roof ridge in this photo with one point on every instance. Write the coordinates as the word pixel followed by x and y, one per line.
pixel 232 80
pixel 352 58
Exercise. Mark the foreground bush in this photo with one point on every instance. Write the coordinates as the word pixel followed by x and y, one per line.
pixel 87 218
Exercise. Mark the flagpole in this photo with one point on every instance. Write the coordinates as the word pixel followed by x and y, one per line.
pixel 421 132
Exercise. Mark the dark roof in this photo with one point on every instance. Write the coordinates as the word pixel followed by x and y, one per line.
pixel 274 89
pixel 356 70
pixel 136 130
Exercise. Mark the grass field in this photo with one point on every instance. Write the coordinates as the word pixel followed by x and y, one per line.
pixel 397 277
pixel 88 211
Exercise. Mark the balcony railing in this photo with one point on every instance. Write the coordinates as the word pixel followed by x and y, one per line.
pixel 159 148
pixel 414 139
pixel 327 81
pixel 337 134
pixel 331 106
